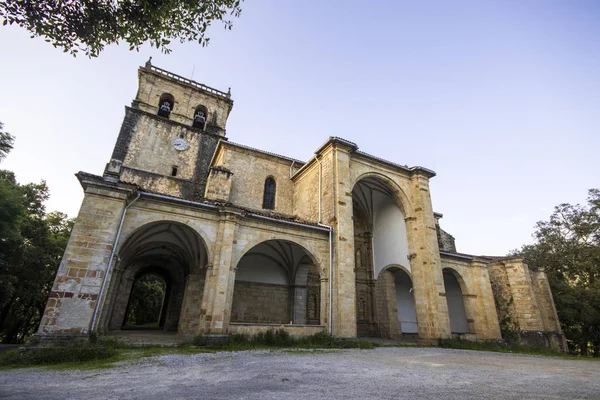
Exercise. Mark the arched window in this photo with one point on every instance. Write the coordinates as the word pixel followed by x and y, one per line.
pixel 165 105
pixel 269 195
pixel 200 116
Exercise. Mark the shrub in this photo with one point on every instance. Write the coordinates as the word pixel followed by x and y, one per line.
pixel 199 340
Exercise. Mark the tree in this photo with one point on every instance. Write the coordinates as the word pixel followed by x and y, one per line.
pixel 146 302
pixel 89 25
pixel 568 246
pixel 31 245
pixel 6 142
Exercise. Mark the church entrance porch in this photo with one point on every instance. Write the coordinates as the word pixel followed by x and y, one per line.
pixel 276 282
pixel 159 280
pixel 385 305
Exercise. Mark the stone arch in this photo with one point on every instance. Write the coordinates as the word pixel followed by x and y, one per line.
pixel 175 249
pixel 166 104
pixel 200 117
pixel 381 234
pixel 395 301
pixel 458 311
pixel 277 281
pixel 158 311
pixel 134 225
pixel 402 200
pixel 309 247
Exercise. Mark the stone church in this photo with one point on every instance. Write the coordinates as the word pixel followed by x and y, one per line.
pixel 244 240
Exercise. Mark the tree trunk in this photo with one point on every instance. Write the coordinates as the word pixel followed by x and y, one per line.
pixel 583 344
pixel 5 312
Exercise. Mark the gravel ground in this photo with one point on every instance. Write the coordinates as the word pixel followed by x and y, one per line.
pixel 383 373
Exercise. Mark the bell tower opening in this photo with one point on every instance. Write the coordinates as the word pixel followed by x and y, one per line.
pixel 165 105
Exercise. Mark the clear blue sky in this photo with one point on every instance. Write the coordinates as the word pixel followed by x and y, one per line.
pixel 501 99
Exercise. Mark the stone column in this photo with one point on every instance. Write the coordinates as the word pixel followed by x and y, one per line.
pixel 344 283
pixel 426 266
pixel 324 300
pixel 74 295
pixel 190 313
pixel 220 279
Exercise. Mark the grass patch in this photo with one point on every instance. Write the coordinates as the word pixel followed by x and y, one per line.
pixel 55 355
pixel 280 338
pixel 105 352
pixel 499 347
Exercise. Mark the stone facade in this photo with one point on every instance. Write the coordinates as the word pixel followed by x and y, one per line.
pixel 348 243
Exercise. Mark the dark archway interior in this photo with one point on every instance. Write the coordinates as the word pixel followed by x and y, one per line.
pixel 176 254
pixel 277 282
pixel 147 302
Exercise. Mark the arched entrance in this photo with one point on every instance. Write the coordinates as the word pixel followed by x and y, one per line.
pixel 146 307
pixel 380 240
pixel 396 309
pixel 277 282
pixel 456 305
pixel 171 252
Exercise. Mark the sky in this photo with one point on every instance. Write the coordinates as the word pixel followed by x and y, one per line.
pixel 501 99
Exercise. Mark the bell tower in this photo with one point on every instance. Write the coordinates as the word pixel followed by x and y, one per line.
pixel 169 134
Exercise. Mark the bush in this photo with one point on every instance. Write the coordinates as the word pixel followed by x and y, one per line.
pixel 498 346
pixel 199 340
pixel 281 338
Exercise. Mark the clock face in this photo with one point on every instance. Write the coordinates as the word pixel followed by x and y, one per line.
pixel 180 144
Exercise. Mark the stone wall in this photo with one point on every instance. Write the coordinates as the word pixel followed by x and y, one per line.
pixel 306 193
pixel 294 330
pixel 74 294
pixel 525 306
pixel 144 155
pixel 250 169
pixel 260 303
pixel 218 185
pixel 478 296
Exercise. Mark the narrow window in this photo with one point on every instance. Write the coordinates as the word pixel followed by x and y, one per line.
pixel 269 194
pixel 199 118
pixel 165 105
pixel 174 170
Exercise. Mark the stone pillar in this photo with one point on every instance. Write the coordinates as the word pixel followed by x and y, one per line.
pixel 344 284
pixel 526 310
pixel 485 317
pixel 217 301
pixel 387 306
pixel 428 282
pixel 74 295
pixel 190 313
pixel 545 301
pixel 324 300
